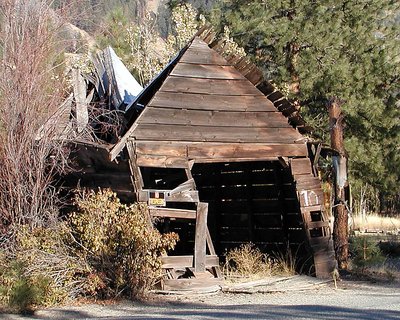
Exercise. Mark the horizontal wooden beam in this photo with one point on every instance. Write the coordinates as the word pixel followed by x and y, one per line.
pixel 207 71
pixel 170 262
pixel 261 119
pixel 317 224
pixel 172 132
pixel 185 196
pixel 155 161
pixel 172 153
pixel 227 102
pixel 244 150
pixel 209 86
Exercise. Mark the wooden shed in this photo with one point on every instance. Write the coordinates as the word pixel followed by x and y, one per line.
pixel 221 157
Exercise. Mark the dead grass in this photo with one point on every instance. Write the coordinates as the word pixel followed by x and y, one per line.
pixel 248 263
pixel 374 222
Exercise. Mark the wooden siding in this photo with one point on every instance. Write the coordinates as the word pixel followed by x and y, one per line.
pixel 206 110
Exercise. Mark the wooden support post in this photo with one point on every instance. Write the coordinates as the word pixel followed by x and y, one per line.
pixel 200 238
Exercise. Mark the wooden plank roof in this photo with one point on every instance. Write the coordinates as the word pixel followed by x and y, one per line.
pixel 204 99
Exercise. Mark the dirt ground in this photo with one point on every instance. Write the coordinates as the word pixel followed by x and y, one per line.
pixel 297 297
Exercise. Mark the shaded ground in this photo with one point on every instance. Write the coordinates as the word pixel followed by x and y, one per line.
pixel 351 300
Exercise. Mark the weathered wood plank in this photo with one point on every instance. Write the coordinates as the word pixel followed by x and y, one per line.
pixel 203 56
pixel 138 179
pixel 317 224
pixel 200 244
pixel 184 196
pixel 206 71
pixel 169 262
pixel 183 187
pixel 250 151
pixel 227 102
pixel 216 134
pixel 192 284
pixel 156 161
pixel 200 151
pixel 81 108
pixel 163 148
pixel 162 115
pixel 310 198
pixel 173 213
pixel 209 86
pixel 301 166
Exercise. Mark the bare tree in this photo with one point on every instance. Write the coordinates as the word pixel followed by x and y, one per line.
pixel 31 90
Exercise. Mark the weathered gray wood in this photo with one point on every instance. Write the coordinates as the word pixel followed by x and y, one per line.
pixel 210 86
pixel 192 284
pixel 161 115
pixel 183 187
pixel 216 134
pixel 161 161
pixel 79 87
pixel 200 237
pixel 137 175
pixel 206 71
pixel 169 262
pixel 173 213
pixel 227 102
pixel 184 196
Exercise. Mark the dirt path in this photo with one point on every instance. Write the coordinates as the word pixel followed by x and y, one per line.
pixel 351 300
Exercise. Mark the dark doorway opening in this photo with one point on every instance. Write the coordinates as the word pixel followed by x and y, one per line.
pixel 252 202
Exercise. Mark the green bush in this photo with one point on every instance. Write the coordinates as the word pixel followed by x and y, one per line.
pixel 120 243
pixel 40 269
pixel 365 253
pixel 19 291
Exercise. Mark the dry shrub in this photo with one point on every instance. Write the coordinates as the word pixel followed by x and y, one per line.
pixel 247 261
pixel 41 269
pixel 285 262
pixel 30 92
pixel 120 243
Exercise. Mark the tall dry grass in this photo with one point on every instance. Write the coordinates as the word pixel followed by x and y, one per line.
pixel 31 90
pixel 374 222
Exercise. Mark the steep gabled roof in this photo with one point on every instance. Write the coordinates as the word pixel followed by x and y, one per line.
pixel 205 100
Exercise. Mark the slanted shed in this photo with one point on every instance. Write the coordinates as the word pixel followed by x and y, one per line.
pixel 206 110
pixel 212 150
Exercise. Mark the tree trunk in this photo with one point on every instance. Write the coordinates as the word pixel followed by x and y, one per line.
pixel 340 226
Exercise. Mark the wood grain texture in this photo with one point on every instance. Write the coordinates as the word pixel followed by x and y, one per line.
pixel 200 244
pixel 170 262
pixel 210 86
pixel 162 132
pixel 206 71
pixel 160 115
pixel 203 55
pixel 226 102
pixel 175 152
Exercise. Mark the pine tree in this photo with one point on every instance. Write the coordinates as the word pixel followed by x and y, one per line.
pixel 324 51
pixel 318 50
